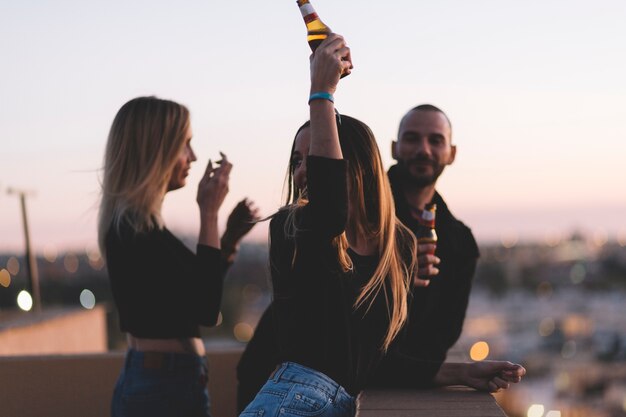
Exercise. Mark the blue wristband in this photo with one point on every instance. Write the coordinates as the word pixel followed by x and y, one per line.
pixel 321 96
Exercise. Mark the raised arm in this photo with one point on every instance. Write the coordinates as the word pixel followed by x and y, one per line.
pixel 325 215
pixel 330 60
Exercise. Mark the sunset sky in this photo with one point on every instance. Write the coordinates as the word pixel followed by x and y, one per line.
pixel 535 90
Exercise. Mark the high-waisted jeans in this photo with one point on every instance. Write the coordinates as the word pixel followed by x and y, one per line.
pixel 160 384
pixel 298 391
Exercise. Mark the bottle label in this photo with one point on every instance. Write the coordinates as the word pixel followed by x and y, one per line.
pixel 429 224
pixel 307 11
pixel 428 215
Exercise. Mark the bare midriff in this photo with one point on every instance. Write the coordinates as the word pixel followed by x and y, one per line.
pixel 190 345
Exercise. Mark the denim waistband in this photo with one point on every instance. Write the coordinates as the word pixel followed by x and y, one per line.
pixel 163 360
pixel 294 372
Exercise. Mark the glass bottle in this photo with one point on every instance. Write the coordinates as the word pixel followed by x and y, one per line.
pixel 317 31
pixel 426 232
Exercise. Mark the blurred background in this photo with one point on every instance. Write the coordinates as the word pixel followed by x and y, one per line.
pixel 534 92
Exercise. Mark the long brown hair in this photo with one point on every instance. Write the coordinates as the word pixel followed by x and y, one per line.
pixel 145 140
pixel 373 218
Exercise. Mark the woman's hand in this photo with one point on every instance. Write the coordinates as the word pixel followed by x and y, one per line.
pixel 241 220
pixel 330 60
pixel 213 187
pixel 212 190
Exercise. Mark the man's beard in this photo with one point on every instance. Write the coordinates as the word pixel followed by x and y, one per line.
pixel 419 180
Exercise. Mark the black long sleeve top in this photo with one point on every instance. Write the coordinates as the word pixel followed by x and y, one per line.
pixel 314 320
pixel 160 287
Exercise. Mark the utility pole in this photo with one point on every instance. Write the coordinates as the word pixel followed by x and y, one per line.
pixel 31 262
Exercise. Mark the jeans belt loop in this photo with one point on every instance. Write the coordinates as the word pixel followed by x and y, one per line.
pixel 278 371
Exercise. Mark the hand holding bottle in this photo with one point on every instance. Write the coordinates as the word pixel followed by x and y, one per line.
pixel 427 244
pixel 317 30
pixel 427 264
pixel 328 63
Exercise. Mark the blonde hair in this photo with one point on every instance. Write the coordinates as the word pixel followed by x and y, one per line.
pixel 145 140
pixel 373 218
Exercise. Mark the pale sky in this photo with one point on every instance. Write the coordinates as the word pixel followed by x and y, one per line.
pixel 535 91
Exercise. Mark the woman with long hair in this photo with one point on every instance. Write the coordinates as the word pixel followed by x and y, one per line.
pixel 163 291
pixel 338 260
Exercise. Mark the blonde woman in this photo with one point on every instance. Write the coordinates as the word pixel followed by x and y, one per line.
pixel 339 263
pixel 163 291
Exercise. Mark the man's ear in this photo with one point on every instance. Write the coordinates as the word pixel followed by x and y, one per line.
pixel 452 154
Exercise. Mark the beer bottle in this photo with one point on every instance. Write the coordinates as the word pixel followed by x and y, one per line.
pixel 317 31
pixel 426 232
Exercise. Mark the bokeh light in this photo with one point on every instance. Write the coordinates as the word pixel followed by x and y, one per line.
pixel 535 410
pixel 13 266
pixel 50 253
pixel 96 265
pixel 92 252
pixel 24 301
pixel 95 258
pixel 243 332
pixel 5 278
pixel 70 262
pixel 553 413
pixel 569 349
pixel 479 351
pixel 509 239
pixel 87 299
pixel 546 327
pixel 577 325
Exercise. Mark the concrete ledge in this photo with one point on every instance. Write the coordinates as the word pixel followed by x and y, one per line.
pixel 444 402
pixel 82 385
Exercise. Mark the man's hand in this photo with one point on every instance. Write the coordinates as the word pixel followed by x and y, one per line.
pixel 492 376
pixel 426 264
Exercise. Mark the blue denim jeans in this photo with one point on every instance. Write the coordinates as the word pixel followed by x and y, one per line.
pixel 159 384
pixel 298 391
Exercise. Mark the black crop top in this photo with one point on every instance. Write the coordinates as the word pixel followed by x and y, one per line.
pixel 161 288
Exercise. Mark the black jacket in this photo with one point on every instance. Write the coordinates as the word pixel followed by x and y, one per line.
pixel 437 312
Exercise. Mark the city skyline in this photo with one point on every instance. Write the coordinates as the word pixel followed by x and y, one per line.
pixel 534 93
